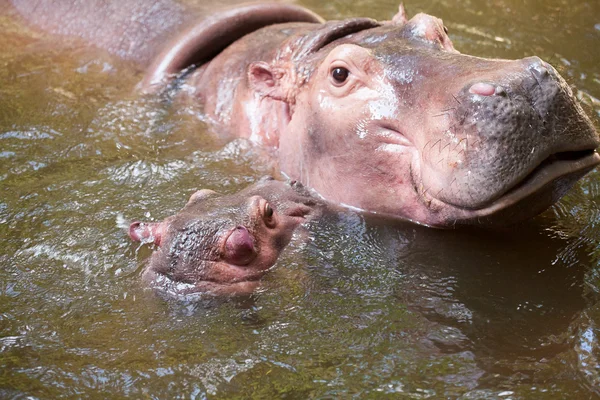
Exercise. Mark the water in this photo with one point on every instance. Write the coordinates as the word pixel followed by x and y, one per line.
pixel 365 308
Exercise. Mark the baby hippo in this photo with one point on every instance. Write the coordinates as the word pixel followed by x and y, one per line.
pixel 224 244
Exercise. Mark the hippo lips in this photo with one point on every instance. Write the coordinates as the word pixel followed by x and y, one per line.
pixel 243 285
pixel 556 167
pixel 205 287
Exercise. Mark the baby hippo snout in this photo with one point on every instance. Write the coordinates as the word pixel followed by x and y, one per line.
pixel 223 245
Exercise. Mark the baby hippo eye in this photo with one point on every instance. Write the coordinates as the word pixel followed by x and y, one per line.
pixel 268 211
pixel 268 215
pixel 339 75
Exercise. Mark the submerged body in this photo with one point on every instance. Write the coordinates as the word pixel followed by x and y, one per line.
pixel 224 244
pixel 385 116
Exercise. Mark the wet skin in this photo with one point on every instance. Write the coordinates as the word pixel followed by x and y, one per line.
pixel 392 119
pixel 385 116
pixel 224 244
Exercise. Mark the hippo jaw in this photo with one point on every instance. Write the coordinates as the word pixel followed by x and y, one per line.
pixel 544 186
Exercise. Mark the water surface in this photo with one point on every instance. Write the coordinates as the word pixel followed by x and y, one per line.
pixel 365 308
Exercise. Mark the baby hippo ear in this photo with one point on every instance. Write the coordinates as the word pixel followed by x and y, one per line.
pixel 267 80
pixel 146 232
pixel 200 195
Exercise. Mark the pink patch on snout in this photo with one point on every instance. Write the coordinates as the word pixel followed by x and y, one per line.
pixel 239 248
pixel 146 233
pixel 483 89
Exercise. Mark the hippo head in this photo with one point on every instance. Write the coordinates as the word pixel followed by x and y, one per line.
pixel 223 244
pixel 390 118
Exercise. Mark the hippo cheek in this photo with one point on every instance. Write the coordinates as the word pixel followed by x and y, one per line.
pixel 366 173
pixel 353 151
pixel 242 258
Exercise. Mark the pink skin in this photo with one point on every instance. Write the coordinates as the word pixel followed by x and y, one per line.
pixel 222 261
pixel 483 89
pixel 416 131
pixel 150 233
pixel 400 149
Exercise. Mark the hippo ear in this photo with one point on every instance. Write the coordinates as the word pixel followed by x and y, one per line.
pixel 146 232
pixel 267 80
pixel 200 195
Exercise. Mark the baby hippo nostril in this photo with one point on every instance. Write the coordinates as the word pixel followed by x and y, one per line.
pixel 483 89
pixel 134 233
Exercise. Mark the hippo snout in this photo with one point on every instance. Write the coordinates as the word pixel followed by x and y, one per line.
pixel 531 99
pixel 542 73
pixel 509 123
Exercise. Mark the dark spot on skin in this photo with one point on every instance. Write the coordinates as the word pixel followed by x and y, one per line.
pixel 316 148
pixel 279 242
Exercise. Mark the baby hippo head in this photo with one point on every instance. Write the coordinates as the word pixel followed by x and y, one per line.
pixel 223 244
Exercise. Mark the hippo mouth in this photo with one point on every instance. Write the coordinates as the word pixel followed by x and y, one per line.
pixel 556 173
pixel 203 288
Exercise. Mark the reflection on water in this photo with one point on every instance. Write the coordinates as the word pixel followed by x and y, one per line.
pixel 359 307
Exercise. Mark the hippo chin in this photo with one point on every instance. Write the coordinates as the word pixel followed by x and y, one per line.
pixel 223 245
pixel 384 116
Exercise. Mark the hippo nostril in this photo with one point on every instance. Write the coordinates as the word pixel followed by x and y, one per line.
pixel 483 89
pixel 539 71
pixel 500 91
pixel 539 68
pixel 133 231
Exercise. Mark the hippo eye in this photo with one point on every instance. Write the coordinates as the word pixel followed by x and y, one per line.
pixel 268 215
pixel 340 74
pixel 268 211
pixel 445 29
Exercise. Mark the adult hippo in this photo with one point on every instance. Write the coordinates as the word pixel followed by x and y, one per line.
pixel 224 244
pixel 382 116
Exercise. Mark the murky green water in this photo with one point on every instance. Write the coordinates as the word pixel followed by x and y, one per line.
pixel 365 309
